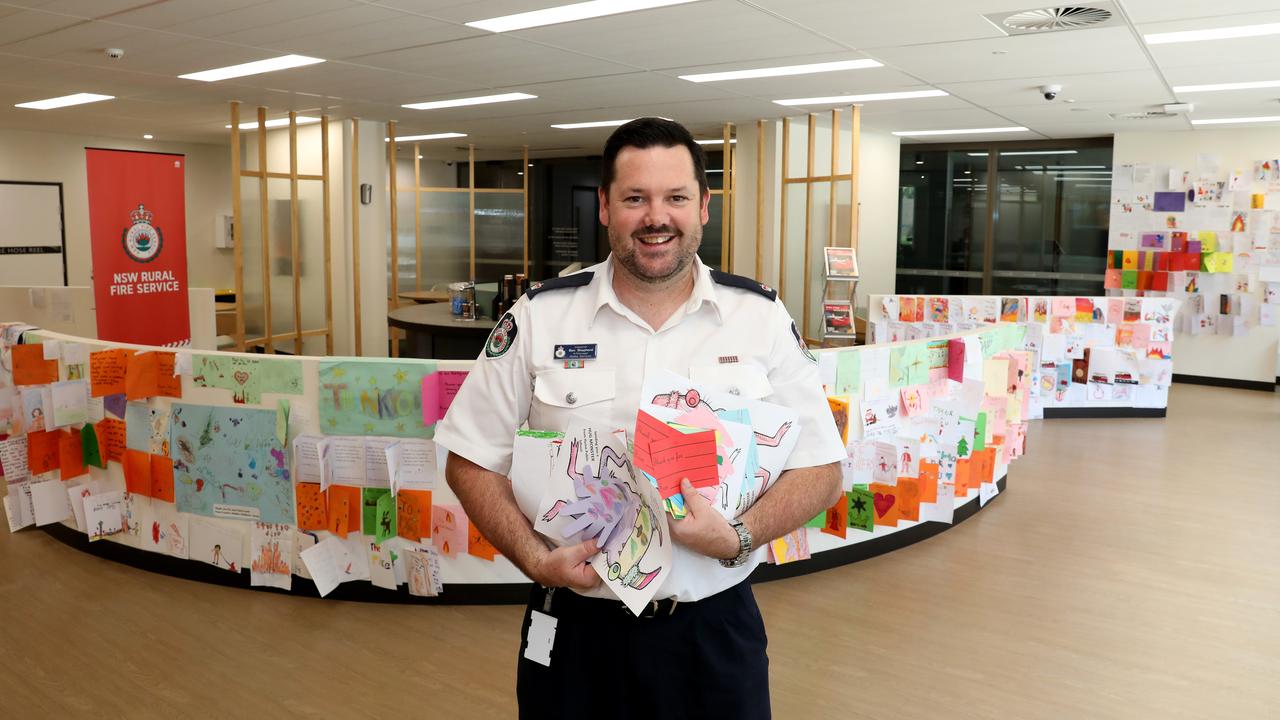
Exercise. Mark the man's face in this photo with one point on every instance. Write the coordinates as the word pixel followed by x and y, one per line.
pixel 654 212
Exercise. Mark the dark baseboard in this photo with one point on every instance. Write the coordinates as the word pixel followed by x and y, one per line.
pixel 1104 412
pixel 1262 385
pixel 475 593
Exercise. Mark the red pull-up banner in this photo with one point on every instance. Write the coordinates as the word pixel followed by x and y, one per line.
pixel 138 230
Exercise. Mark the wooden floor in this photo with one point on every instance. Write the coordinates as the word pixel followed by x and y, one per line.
pixel 1132 570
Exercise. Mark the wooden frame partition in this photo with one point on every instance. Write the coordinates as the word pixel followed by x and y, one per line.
pixel 267 339
pixel 809 179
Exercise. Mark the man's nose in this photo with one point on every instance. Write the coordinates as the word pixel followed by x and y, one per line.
pixel 658 214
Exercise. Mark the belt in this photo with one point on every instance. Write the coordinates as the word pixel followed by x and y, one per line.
pixel 563 598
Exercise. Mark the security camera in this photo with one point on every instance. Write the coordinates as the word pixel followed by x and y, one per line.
pixel 114 53
pixel 1050 91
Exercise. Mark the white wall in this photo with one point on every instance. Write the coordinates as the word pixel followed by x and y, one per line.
pixel 1252 356
pixel 71 310
pixel 374 219
pixel 878 215
pixel 54 157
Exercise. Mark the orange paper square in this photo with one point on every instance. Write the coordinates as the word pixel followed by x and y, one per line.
pixel 928 482
pixel 30 367
pixel 140 377
pixel 137 472
pixel 313 511
pixel 111 439
pixel 43 449
pixel 71 454
pixel 344 509
pixel 107 369
pixel 166 384
pixel 413 514
pixel 984 466
pixel 162 478
pixel 478 545
pixel 909 498
pixel 837 522
pixel 886 509
pixel 962 477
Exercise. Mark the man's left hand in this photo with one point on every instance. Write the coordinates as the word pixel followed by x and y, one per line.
pixel 702 529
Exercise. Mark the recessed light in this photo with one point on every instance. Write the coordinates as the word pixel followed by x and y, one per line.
pixel 64 101
pixel 148 137
pixel 436 136
pixel 961 131
pixel 568 13
pixel 1227 86
pixel 461 102
pixel 596 124
pixel 732 141
pixel 277 122
pixel 868 97
pixel 1027 152
pixel 284 62
pixel 783 71
pixel 1228 121
pixel 1225 33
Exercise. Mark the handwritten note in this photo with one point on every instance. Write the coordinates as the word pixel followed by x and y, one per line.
pixel 107 371
pixel 668 455
pixel 438 390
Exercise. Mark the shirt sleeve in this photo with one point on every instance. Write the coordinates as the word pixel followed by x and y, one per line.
pixel 793 373
pixel 493 402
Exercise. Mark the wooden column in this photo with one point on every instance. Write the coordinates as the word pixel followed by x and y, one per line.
pixel 808 220
pixel 782 233
pixel 266 235
pixel 328 253
pixel 355 230
pixel 237 232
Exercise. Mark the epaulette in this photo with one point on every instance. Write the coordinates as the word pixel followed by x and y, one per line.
pixel 745 283
pixel 577 279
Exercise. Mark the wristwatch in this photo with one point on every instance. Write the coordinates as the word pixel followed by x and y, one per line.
pixel 745 545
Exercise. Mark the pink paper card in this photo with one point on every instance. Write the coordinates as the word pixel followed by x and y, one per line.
pixel 438 390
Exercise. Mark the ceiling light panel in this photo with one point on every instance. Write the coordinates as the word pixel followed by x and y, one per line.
pixel 1257 85
pixel 596 124
pixel 1224 33
pixel 257 67
pixel 1235 120
pixel 866 97
pixel 463 102
pixel 568 13
pixel 278 122
pixel 64 101
pixel 959 131
pixel 435 136
pixel 783 71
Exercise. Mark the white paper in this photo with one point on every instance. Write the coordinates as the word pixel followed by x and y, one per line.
pixel 986 491
pixel 182 364
pixel 50 502
pixel 13 458
pixel 70 402
pixel 540 638
pixel 52 349
pixel 75 497
pixel 411 463
pixel 306 458
pixel 17 507
pixel 381 572
pixel 422 570
pixel 104 514
pixel 345 462
pixel 327 561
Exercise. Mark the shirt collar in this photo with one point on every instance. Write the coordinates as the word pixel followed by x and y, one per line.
pixel 704 290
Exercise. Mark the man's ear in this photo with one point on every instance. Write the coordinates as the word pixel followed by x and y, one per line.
pixel 604 206
pixel 706 206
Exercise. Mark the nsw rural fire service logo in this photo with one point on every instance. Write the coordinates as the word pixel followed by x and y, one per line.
pixel 142 240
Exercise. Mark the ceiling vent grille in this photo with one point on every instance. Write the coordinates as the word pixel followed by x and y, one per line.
pixel 1148 115
pixel 1056 19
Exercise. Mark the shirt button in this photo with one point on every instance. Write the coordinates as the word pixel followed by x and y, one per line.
pixel 734 391
pixel 571 398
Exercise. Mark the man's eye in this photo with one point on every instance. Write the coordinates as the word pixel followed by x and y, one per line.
pixel 679 198
pixel 633 199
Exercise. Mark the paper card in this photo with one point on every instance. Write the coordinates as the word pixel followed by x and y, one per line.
pixel 908 490
pixel 411 463
pixel 344 509
pixel 837 518
pixel 142 375
pixel 422 570
pixel 18 507
pixel 71 454
pixel 413 514
pixel 104 514
pixel 220 544
pixel 13 459
pixel 376 472
pixel 885 504
pixel 111 439
pixel 70 403
pixel 30 366
pixel 301 541
pixel 227 463
pixel 449 525
pixel 107 371
pixel 249 378
pixel 115 405
pixel 162 478
pixel 943 509
pixel 271 550
pixel 667 455
pixel 43 450
pixel 137 472
pixel 306 460
pixel 370 397
pixel 329 563
pixel 478 545
pixel 312 510
pixel 880 417
pixel 49 502
pixel 438 390
pixel 986 492
pixel 885 462
pixel 862 508
pixel 381 567
pixel 76 494
pixel 384 515
pixel 790 547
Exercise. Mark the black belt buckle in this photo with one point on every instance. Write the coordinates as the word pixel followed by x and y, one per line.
pixel 655 608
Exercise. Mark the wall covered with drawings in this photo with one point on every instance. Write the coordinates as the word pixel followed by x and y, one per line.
pixel 1196 216
pixel 1087 352
pixel 323 470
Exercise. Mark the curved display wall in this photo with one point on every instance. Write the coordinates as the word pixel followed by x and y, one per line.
pixel 237 468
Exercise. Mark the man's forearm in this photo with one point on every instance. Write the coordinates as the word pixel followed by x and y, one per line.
pixel 491 505
pixel 791 501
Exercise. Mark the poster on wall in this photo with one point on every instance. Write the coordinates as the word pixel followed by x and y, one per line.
pixel 138 230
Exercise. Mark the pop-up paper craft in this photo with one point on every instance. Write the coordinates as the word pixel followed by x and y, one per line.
pixel 668 454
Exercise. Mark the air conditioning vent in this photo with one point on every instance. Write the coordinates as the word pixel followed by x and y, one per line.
pixel 1056 19
pixel 1149 115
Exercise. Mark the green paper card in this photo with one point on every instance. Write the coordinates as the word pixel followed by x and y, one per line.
pixel 385 523
pixel 370 498
pixel 89 447
pixel 373 397
pixel 862 508
pixel 848 372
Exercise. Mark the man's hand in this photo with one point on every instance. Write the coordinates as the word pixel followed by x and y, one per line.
pixel 703 530
pixel 568 566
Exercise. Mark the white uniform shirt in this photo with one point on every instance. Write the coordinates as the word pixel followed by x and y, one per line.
pixel 725 337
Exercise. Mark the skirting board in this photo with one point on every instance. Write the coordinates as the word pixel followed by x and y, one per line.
pixel 1104 412
pixel 478 593
pixel 1262 385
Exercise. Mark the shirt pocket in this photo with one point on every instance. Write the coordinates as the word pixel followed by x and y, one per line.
pixel 745 381
pixel 565 390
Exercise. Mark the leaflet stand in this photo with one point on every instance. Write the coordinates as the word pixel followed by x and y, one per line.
pixel 837 309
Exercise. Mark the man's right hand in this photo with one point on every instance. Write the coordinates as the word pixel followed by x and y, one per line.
pixel 569 566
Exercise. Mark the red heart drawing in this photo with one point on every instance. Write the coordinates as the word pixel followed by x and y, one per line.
pixel 883 502
pixel 241 377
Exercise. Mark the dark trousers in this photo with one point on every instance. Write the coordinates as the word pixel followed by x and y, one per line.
pixel 703 660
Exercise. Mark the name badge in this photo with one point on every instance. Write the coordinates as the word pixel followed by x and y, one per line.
pixel 575 352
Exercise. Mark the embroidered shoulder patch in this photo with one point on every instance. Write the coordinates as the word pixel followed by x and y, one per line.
pixel 795 332
pixel 504 336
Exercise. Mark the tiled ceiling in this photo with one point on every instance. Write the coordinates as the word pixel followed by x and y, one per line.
pixel 383 53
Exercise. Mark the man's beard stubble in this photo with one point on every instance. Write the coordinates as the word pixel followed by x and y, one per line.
pixel 626 256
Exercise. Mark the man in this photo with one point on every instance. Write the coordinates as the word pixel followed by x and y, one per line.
pixel 580 347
